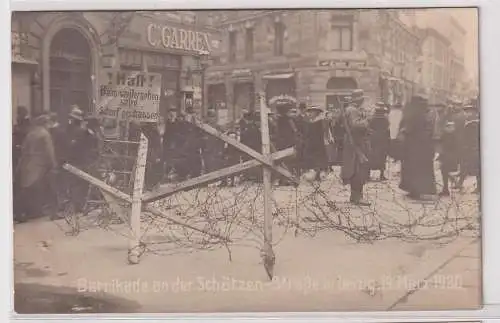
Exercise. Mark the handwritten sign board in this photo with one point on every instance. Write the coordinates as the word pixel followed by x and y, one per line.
pixel 129 95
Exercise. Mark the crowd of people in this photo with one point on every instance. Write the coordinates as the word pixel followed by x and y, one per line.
pixel 355 137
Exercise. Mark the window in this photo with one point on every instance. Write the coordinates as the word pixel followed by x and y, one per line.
pixel 249 44
pixel 340 38
pixel 232 46
pixel 279 38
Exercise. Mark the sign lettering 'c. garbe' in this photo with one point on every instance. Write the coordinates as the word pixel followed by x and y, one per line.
pixel 177 38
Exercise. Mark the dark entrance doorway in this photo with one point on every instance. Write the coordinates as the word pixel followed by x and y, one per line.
pixel 70 73
pixel 337 89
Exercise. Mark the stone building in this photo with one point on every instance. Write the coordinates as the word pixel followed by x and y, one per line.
pixel 312 55
pixel 59 55
pixel 394 52
pixel 436 67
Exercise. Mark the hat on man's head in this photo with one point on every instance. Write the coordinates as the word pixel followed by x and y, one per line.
pixel 315 108
pixel 41 120
pixel 357 94
pixel 76 113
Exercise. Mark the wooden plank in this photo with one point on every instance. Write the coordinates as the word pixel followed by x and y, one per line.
pixel 97 182
pixel 163 192
pixel 134 251
pixel 268 254
pixel 249 151
pixel 124 197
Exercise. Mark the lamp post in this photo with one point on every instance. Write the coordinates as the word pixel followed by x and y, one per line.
pixel 204 60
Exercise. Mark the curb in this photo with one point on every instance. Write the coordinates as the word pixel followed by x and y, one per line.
pixel 435 266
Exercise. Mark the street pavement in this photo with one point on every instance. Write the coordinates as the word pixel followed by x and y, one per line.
pixel 325 272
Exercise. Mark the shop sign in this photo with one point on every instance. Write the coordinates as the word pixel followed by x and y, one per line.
pixel 129 95
pixel 342 64
pixel 178 38
pixel 242 72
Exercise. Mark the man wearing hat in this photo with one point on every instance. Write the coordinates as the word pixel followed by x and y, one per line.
pixel 355 164
pixel 75 155
pixel 380 139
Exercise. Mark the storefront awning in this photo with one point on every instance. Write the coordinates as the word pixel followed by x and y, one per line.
pixel 278 76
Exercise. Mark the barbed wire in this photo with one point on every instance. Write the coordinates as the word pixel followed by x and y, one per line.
pixel 236 214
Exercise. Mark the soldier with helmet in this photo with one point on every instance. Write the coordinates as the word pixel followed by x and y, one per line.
pixel 355 164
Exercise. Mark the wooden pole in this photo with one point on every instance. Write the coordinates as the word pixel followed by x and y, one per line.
pixel 134 251
pixel 268 253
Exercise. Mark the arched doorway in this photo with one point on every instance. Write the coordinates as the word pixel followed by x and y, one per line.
pixel 337 88
pixel 70 72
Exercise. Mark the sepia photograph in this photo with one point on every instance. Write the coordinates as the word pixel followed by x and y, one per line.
pixel 224 161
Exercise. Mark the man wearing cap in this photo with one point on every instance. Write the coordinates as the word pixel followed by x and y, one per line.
pixel 355 163
pixel 31 176
pixel 380 139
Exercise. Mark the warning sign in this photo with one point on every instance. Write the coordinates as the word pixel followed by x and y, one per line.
pixel 129 95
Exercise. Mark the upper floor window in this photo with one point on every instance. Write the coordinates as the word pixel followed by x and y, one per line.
pixel 232 46
pixel 279 38
pixel 249 43
pixel 340 37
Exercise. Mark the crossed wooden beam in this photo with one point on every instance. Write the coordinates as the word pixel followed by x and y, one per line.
pixel 258 160
pixel 163 191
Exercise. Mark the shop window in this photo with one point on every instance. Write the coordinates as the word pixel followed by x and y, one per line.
pixel 249 43
pixel 232 45
pixel 279 38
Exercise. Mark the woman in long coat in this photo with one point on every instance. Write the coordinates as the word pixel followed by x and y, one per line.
pixel 417 135
pixel 37 160
pixel 314 153
pixel 380 139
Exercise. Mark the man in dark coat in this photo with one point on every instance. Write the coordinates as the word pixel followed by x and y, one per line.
pixel 286 134
pixel 470 163
pixel 417 132
pixel 355 163
pixel 251 137
pixel 448 155
pixel 380 140
pixel 231 156
pixel 31 176
pixel 77 155
pixel 213 148
pixel 314 154
pixel 171 142
pixel 154 166
pixel 19 133
pixel 191 144
pixel 300 122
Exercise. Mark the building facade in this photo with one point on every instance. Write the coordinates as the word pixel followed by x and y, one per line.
pixel 436 66
pixel 394 50
pixel 66 51
pixel 311 55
